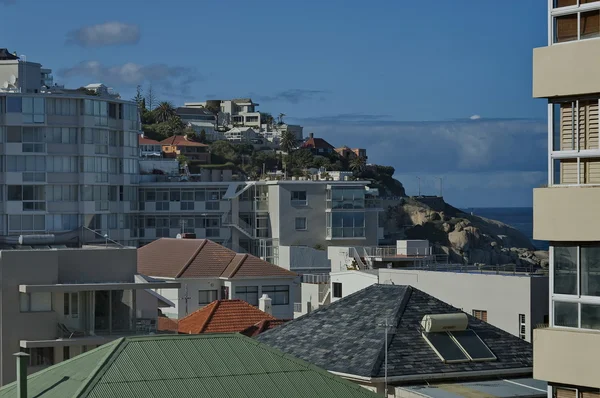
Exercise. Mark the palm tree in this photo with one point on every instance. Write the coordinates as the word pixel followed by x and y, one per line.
pixel 281 116
pixel 357 164
pixel 164 112
pixel 287 142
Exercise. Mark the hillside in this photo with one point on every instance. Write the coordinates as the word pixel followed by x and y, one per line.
pixel 465 238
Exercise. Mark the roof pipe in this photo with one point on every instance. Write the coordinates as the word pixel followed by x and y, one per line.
pixel 22 361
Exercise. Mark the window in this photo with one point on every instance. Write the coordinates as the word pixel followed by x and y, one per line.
pixel 66 353
pixel 71 304
pixel 280 295
pixel 13 104
pixel 576 290
pixel 480 314
pixel 41 356
pixel 346 198
pixel 35 302
pixel 61 106
pixel 300 223
pixel 26 223
pixel 522 327
pixel 337 289
pixel 247 293
pixel 34 109
pixel 25 163
pixel 299 198
pixel 578 24
pixel 346 224
pixel 206 296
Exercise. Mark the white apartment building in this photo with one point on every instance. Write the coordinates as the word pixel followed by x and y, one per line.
pixel 58 302
pixel 234 112
pixel 67 159
pixel 566 211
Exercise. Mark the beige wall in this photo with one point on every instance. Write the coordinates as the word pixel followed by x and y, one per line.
pixel 566 69
pixel 566 214
pixel 566 356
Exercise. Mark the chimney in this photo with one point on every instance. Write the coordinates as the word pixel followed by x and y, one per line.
pixel 264 304
pixel 22 360
pixel 311 135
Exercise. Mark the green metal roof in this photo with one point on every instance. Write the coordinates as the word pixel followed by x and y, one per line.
pixel 206 365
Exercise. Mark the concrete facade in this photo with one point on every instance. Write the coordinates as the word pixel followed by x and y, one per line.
pixel 35 317
pixel 566 73
pixel 514 303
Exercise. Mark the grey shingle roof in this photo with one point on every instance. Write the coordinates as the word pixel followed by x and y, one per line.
pixel 344 337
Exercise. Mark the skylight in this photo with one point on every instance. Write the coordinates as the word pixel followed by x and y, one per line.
pixel 459 346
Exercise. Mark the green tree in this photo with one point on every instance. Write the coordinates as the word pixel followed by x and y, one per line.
pixel 357 164
pixel 182 159
pixel 280 118
pixel 164 112
pixel 267 118
pixel 301 158
pixel 139 98
pixel 223 152
pixel 203 136
pixel 151 98
pixel 287 142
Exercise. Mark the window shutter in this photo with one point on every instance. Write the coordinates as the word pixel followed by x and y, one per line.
pixel 564 393
pixel 589 394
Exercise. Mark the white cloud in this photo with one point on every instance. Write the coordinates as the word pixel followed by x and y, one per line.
pixel 475 117
pixel 175 79
pixel 105 34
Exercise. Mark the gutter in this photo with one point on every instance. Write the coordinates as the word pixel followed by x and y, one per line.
pixel 438 376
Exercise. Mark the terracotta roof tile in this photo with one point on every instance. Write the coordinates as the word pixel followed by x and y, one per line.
pixel 180 140
pixel 166 324
pixel 223 316
pixel 262 326
pixel 147 141
pixel 317 143
pixel 201 258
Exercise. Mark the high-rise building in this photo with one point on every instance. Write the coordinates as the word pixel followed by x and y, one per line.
pixel 567 211
pixel 68 158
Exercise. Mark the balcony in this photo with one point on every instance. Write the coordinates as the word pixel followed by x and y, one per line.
pixel 566 69
pixel 566 356
pixel 566 213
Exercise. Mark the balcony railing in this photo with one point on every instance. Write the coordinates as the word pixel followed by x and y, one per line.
pixel 297 307
pixel 315 278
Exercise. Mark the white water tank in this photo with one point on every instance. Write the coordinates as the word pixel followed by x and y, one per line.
pixel 444 322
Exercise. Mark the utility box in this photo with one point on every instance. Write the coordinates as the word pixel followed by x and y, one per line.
pixel 413 247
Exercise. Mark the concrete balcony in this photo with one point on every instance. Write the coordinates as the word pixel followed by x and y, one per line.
pixel 566 213
pixel 566 356
pixel 566 69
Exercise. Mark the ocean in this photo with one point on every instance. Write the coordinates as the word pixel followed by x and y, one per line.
pixel 520 218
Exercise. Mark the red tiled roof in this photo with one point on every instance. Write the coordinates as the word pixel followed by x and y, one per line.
pixel 180 140
pixel 166 324
pixel 201 258
pixel 262 326
pixel 317 143
pixel 223 316
pixel 147 141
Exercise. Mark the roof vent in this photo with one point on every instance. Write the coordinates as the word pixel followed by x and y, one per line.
pixel 444 322
pixel 36 239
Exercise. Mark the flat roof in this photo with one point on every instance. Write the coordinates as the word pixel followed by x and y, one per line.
pixel 501 388
pixel 80 287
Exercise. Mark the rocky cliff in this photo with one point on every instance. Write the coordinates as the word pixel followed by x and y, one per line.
pixel 465 238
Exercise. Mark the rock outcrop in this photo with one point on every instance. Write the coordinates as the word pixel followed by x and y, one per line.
pixel 465 238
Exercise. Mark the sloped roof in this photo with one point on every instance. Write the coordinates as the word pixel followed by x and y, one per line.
pixel 201 258
pixel 344 336
pixel 317 143
pixel 147 141
pixel 166 324
pixel 263 326
pixel 179 140
pixel 209 365
pixel 5 55
pixel 223 316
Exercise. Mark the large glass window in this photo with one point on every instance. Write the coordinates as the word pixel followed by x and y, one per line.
pixel 346 224
pixel 299 198
pixel 206 296
pixel 347 198
pixel 247 293
pixel 34 110
pixel 13 104
pixel 576 290
pixel 61 135
pixel 279 295
pixel 576 24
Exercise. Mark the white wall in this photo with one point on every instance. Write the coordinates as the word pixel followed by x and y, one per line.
pixel 504 297
pixel 304 258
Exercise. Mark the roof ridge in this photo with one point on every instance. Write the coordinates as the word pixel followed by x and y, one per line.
pixel 242 257
pixel 100 369
pixel 217 303
pixel 187 264
pixel 394 324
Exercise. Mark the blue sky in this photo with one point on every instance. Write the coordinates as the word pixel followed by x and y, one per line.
pixel 434 88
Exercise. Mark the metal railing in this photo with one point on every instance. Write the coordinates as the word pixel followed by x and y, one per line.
pixel 323 292
pixel 316 278
pixel 508 269
pixel 297 307
pixel 392 251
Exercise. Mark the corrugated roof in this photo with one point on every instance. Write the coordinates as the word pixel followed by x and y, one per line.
pixel 322 337
pixel 209 365
pixel 201 258
pixel 223 316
